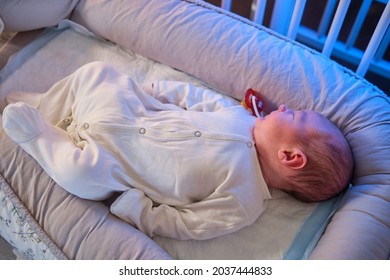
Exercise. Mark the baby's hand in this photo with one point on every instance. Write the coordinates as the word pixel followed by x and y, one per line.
pixel 22 122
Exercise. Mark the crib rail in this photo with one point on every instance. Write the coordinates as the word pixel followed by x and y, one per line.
pixel 286 17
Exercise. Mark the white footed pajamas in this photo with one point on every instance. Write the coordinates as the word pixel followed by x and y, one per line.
pixel 182 157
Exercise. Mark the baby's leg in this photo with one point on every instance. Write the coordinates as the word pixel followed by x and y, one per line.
pixel 56 104
pixel 53 105
pixel 76 170
pixel 31 98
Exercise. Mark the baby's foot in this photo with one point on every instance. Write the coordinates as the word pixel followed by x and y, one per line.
pixel 22 122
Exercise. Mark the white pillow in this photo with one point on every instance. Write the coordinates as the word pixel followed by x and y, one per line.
pixel 18 16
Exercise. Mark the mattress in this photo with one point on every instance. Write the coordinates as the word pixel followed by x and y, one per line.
pixel 289 229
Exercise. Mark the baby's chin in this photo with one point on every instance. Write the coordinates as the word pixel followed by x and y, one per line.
pixel 260 120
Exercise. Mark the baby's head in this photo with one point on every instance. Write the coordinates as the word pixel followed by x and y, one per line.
pixel 303 153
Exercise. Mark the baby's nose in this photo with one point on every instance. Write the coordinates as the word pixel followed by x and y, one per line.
pixel 282 108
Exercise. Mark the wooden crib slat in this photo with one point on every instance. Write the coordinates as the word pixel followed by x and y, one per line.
pixel 326 18
pixel 335 27
pixel 376 38
pixel 383 46
pixel 296 18
pixel 258 16
pixel 226 4
pixel 281 15
pixel 357 25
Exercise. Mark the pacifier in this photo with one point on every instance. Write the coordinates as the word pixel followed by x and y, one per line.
pixel 253 103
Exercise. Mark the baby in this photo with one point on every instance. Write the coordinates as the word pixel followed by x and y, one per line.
pixel 188 163
pixel 308 151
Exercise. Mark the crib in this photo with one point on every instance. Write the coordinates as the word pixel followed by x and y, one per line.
pixel 197 42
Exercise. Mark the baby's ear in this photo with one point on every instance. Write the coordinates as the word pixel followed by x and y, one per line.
pixel 293 158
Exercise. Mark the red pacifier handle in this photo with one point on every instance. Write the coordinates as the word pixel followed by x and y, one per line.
pixel 253 103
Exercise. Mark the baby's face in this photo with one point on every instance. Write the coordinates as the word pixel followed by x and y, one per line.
pixel 284 125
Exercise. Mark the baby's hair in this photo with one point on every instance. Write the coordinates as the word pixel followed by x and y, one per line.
pixel 328 170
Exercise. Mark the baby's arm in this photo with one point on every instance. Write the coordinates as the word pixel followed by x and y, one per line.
pixel 214 216
pixel 190 97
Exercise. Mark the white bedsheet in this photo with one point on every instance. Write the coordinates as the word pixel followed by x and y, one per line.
pixel 281 232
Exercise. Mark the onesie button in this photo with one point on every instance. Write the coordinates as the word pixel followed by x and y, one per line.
pixel 198 133
pixel 86 126
pixel 249 144
pixel 142 130
pixel 66 121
